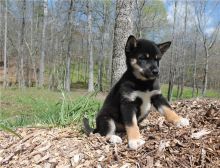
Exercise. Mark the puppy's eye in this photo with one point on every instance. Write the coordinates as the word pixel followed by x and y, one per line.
pixel 141 57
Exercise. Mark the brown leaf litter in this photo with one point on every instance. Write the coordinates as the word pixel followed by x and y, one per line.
pixel 166 145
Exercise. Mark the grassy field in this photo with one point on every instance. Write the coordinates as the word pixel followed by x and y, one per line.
pixel 34 106
pixel 188 92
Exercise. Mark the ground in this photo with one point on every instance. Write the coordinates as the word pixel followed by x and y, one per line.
pixel 166 146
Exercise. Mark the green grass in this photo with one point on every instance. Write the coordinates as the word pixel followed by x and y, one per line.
pixel 34 106
pixel 7 129
pixel 187 93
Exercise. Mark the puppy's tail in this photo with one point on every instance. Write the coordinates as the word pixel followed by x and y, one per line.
pixel 86 127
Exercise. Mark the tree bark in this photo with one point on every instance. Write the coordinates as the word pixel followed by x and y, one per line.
pixel 1 32
pixel 43 47
pixel 102 53
pixel 123 28
pixel 101 61
pixel 68 60
pixel 139 4
pixel 90 48
pixel 21 50
pixel 184 52
pixel 205 78
pixel 172 68
pixel 5 46
pixel 195 65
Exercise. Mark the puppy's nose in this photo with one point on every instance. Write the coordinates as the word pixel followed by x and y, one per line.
pixel 155 71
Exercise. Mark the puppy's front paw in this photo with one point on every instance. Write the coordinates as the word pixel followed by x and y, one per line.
pixel 115 139
pixel 182 122
pixel 135 143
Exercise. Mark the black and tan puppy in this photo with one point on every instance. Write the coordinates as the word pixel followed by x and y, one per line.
pixel 130 99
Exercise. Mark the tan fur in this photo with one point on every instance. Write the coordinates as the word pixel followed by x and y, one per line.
pixel 170 115
pixel 135 65
pixel 137 69
pixel 133 130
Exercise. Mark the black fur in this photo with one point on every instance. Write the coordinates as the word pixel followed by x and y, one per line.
pixel 158 101
pixel 117 107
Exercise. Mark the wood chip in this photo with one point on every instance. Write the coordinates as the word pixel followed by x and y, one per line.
pixel 166 145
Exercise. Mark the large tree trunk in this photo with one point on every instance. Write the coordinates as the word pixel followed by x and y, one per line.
pixel 123 28
pixel 43 47
pixel 5 46
pixel 90 48
pixel 68 60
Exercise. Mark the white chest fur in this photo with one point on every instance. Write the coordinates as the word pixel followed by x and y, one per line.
pixel 146 100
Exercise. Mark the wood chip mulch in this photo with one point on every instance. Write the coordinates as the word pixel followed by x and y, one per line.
pixel 166 146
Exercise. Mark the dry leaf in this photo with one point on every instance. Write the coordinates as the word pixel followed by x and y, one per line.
pixel 200 134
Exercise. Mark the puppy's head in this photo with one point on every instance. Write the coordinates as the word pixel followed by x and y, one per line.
pixel 143 56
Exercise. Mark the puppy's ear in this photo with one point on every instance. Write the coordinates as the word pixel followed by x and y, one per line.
pixel 164 46
pixel 131 44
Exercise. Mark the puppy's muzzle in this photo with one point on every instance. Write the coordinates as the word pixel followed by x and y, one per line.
pixel 155 72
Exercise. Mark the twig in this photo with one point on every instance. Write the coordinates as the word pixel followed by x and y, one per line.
pixel 115 153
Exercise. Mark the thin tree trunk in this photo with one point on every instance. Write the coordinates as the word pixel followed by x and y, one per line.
pixel 1 32
pixel 5 46
pixel 101 59
pixel 21 74
pixel 195 65
pixel 68 60
pixel 139 5
pixel 184 52
pixel 43 47
pixel 102 53
pixel 90 48
pixel 172 73
pixel 123 28
pixel 53 78
pixel 178 81
pixel 52 54
pixel 33 77
pixel 205 79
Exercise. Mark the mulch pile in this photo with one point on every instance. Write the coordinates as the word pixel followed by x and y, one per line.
pixel 166 146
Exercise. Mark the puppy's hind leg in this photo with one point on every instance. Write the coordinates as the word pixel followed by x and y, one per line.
pixel 107 127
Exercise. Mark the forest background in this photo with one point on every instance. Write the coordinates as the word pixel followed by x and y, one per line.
pixel 68 47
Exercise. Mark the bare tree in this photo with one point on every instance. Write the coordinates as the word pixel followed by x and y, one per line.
pixel 21 80
pixel 102 53
pixel 43 47
pixel 104 28
pixel 31 52
pixel 68 60
pixel 194 64
pixel 184 52
pixel 5 45
pixel 37 41
pixel 90 47
pixel 139 5
pixel 208 41
pixel 123 28
pixel 172 67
